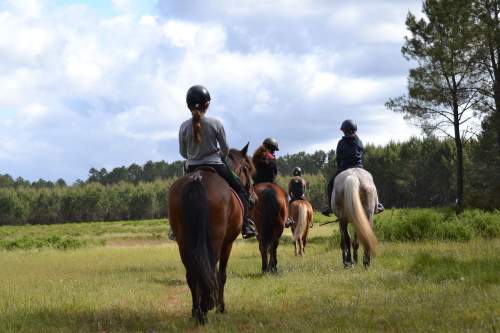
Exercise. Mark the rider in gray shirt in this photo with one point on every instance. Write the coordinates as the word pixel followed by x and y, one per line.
pixel 198 139
pixel 206 151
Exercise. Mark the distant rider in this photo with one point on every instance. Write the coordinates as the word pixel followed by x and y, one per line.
pixel 198 139
pixel 297 185
pixel 349 154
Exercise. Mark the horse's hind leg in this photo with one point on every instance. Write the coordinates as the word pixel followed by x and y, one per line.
pixel 196 311
pixel 355 247
pixel 273 262
pixel 366 258
pixel 345 244
pixel 263 253
pixel 224 257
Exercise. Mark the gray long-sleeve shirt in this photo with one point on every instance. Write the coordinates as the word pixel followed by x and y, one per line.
pixel 207 151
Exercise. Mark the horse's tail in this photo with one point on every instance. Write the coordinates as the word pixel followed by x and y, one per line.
pixel 301 223
pixel 270 213
pixel 355 212
pixel 195 219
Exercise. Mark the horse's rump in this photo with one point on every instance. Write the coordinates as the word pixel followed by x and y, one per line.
pixel 354 198
pixel 301 213
pixel 269 214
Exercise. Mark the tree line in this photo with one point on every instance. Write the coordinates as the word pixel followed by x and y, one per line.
pixel 414 173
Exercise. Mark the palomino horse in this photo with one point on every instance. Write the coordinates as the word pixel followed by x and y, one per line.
pixel 269 214
pixel 301 212
pixel 206 217
pixel 354 199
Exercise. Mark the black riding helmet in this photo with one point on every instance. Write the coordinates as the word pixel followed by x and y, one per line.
pixel 348 126
pixel 197 96
pixel 271 144
pixel 297 171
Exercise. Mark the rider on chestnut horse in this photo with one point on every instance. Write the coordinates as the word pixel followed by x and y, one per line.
pixel 264 161
pixel 297 186
pixel 199 140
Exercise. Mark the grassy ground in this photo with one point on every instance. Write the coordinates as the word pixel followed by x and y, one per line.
pixel 136 284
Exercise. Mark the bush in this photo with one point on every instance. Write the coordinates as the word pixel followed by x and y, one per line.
pixel 28 243
pixel 436 224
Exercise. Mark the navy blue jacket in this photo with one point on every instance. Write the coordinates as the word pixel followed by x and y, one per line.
pixel 349 153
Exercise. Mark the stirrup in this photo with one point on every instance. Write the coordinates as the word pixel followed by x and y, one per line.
pixel 248 230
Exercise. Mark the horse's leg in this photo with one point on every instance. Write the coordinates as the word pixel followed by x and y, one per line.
pixel 224 257
pixel 273 261
pixel 301 247
pixel 366 255
pixel 196 311
pixel 263 254
pixel 345 243
pixel 355 247
pixel 297 247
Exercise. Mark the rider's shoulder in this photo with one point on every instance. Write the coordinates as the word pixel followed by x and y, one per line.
pixel 214 121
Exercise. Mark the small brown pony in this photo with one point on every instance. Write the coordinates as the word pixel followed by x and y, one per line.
pixel 301 212
pixel 354 199
pixel 269 214
pixel 206 217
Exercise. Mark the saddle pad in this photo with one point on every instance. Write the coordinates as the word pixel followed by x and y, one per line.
pixel 206 168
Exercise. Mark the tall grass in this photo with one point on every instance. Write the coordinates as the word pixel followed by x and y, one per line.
pixel 411 287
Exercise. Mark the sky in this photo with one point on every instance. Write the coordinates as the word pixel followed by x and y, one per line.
pixel 102 83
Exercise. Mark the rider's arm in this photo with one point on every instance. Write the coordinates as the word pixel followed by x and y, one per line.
pixel 221 138
pixel 338 154
pixel 182 143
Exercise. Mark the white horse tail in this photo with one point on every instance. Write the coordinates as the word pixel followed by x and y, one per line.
pixel 301 222
pixel 356 214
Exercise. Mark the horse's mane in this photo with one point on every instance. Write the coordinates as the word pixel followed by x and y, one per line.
pixel 247 159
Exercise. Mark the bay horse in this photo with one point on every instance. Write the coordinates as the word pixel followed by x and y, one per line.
pixel 301 212
pixel 269 213
pixel 206 217
pixel 354 198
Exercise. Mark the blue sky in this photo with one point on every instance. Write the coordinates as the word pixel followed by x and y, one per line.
pixel 102 83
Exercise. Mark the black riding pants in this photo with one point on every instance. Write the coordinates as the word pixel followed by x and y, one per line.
pixel 233 182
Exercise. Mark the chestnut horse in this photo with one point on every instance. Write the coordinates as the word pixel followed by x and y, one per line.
pixel 301 212
pixel 206 216
pixel 354 199
pixel 269 214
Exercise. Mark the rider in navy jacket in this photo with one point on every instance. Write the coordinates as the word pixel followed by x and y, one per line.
pixel 349 154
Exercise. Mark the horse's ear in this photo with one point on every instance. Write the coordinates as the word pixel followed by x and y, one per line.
pixel 245 149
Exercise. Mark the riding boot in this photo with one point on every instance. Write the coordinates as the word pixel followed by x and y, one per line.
pixel 379 208
pixel 289 222
pixel 329 190
pixel 248 230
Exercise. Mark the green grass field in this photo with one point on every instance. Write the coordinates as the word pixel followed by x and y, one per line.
pixel 125 277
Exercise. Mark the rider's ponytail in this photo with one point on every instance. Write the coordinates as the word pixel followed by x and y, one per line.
pixel 196 125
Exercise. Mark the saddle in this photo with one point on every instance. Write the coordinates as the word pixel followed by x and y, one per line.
pixel 210 169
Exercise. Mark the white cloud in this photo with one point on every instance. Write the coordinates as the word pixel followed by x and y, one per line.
pixel 79 90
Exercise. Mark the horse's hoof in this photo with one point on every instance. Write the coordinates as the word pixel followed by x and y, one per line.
pixel 347 265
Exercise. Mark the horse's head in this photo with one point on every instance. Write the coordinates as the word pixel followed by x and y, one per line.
pixel 242 166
